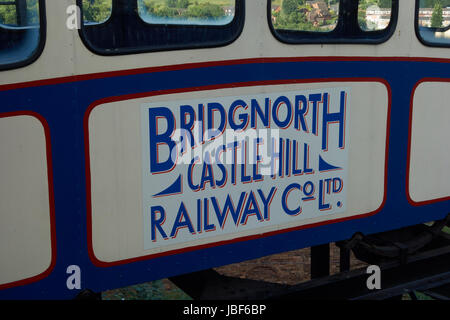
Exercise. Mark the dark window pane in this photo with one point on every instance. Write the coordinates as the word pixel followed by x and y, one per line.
pixel 333 21
pixel 133 26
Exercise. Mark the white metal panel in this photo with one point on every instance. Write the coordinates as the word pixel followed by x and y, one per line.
pixel 25 231
pixel 429 174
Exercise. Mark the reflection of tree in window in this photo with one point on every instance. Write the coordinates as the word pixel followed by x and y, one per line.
pixel 8 14
pixel 436 17
pixel 20 33
pixel 96 11
pixel 28 13
pixel 374 15
pixel 433 20
pixel 434 13
pixel 187 11
pixel 302 15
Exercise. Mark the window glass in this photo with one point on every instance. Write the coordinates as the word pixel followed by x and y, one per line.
pixel 20 32
pixel 8 14
pixel 433 22
pixel 96 11
pixel 301 15
pixel 199 12
pixel 333 21
pixel 133 26
pixel 374 15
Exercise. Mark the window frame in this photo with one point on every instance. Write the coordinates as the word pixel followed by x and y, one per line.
pixel 40 47
pixel 238 19
pixel 336 36
pixel 419 36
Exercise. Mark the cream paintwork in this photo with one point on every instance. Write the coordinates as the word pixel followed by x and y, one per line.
pixel 66 55
pixel 25 237
pixel 115 155
pixel 429 174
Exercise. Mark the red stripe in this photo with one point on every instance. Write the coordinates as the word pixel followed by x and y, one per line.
pixel 186 66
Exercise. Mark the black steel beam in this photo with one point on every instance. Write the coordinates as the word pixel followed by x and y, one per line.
pixel 210 285
pixel 344 259
pixel 320 261
pixel 439 293
pixel 422 272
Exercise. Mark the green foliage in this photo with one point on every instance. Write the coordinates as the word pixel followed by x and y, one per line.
pixel 184 9
pixel 432 3
pixel 164 11
pixel 32 12
pixel 96 10
pixel 183 4
pixel 384 4
pixel 436 17
pixel 171 3
pixel 290 6
pixel 294 16
pixel 205 10
pixel 8 14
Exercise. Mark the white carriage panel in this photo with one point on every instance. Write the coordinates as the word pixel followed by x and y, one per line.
pixel 429 173
pixel 25 220
pixel 120 188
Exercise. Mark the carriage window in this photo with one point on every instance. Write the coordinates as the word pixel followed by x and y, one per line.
pixel 374 15
pixel 433 22
pixel 200 12
pixel 96 11
pixel 21 32
pixel 133 26
pixel 332 21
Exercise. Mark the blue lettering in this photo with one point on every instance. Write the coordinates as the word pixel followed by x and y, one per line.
pixel 156 223
pixel 156 139
pixel 329 118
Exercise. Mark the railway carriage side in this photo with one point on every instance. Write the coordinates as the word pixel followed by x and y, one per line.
pixel 147 139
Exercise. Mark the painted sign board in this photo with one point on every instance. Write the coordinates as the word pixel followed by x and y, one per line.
pixel 182 171
pixel 222 167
